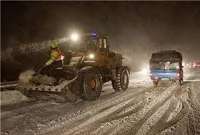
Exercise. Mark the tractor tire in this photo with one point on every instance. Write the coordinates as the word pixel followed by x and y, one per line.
pixel 121 81
pixel 91 84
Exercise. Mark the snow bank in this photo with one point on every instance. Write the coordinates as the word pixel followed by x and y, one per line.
pixel 12 97
pixel 26 76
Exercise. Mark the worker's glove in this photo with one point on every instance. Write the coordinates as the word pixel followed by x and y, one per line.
pixel 49 62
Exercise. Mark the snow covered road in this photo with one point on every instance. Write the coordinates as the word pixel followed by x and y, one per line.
pixel 141 110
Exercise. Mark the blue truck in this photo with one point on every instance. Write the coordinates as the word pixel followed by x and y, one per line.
pixel 166 64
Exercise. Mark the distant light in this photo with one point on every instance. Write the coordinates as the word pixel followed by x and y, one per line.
pixel 194 65
pixel 93 34
pixel 145 70
pixel 183 64
pixel 74 37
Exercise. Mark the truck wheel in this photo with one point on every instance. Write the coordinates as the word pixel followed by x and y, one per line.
pixel 122 79
pixel 92 84
pixel 155 83
pixel 181 78
pixel 180 82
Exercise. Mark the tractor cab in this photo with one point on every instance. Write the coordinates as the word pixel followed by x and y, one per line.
pixel 102 44
pixel 97 43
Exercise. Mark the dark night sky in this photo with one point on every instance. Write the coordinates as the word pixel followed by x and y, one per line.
pixel 135 28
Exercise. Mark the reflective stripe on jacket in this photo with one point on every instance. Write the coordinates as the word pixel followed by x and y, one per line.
pixel 55 55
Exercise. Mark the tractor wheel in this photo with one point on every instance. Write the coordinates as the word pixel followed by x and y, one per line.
pixel 122 79
pixel 92 84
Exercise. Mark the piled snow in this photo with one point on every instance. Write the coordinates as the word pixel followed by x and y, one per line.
pixel 12 97
pixel 26 76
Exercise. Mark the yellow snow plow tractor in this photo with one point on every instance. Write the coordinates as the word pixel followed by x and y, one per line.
pixel 83 73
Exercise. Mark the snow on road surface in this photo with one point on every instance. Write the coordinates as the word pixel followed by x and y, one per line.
pixel 141 110
pixel 8 97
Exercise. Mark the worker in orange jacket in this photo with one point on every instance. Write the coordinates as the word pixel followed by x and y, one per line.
pixel 56 57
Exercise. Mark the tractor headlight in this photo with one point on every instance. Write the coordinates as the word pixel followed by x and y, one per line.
pixel 91 56
pixel 74 37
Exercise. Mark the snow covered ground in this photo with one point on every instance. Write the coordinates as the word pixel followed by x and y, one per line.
pixel 12 97
pixel 141 110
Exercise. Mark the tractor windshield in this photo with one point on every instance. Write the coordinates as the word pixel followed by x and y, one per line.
pixel 75 60
pixel 85 44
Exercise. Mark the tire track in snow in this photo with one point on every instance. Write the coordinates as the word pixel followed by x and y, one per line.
pixel 88 113
pixel 115 118
pixel 135 105
pixel 138 119
pixel 194 108
pixel 108 123
pixel 153 119
pixel 112 123
pixel 165 122
pixel 98 108
pixel 177 111
pixel 49 108
pixel 35 106
pixel 98 114
pixel 101 115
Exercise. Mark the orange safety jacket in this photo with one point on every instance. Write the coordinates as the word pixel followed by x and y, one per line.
pixel 55 55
